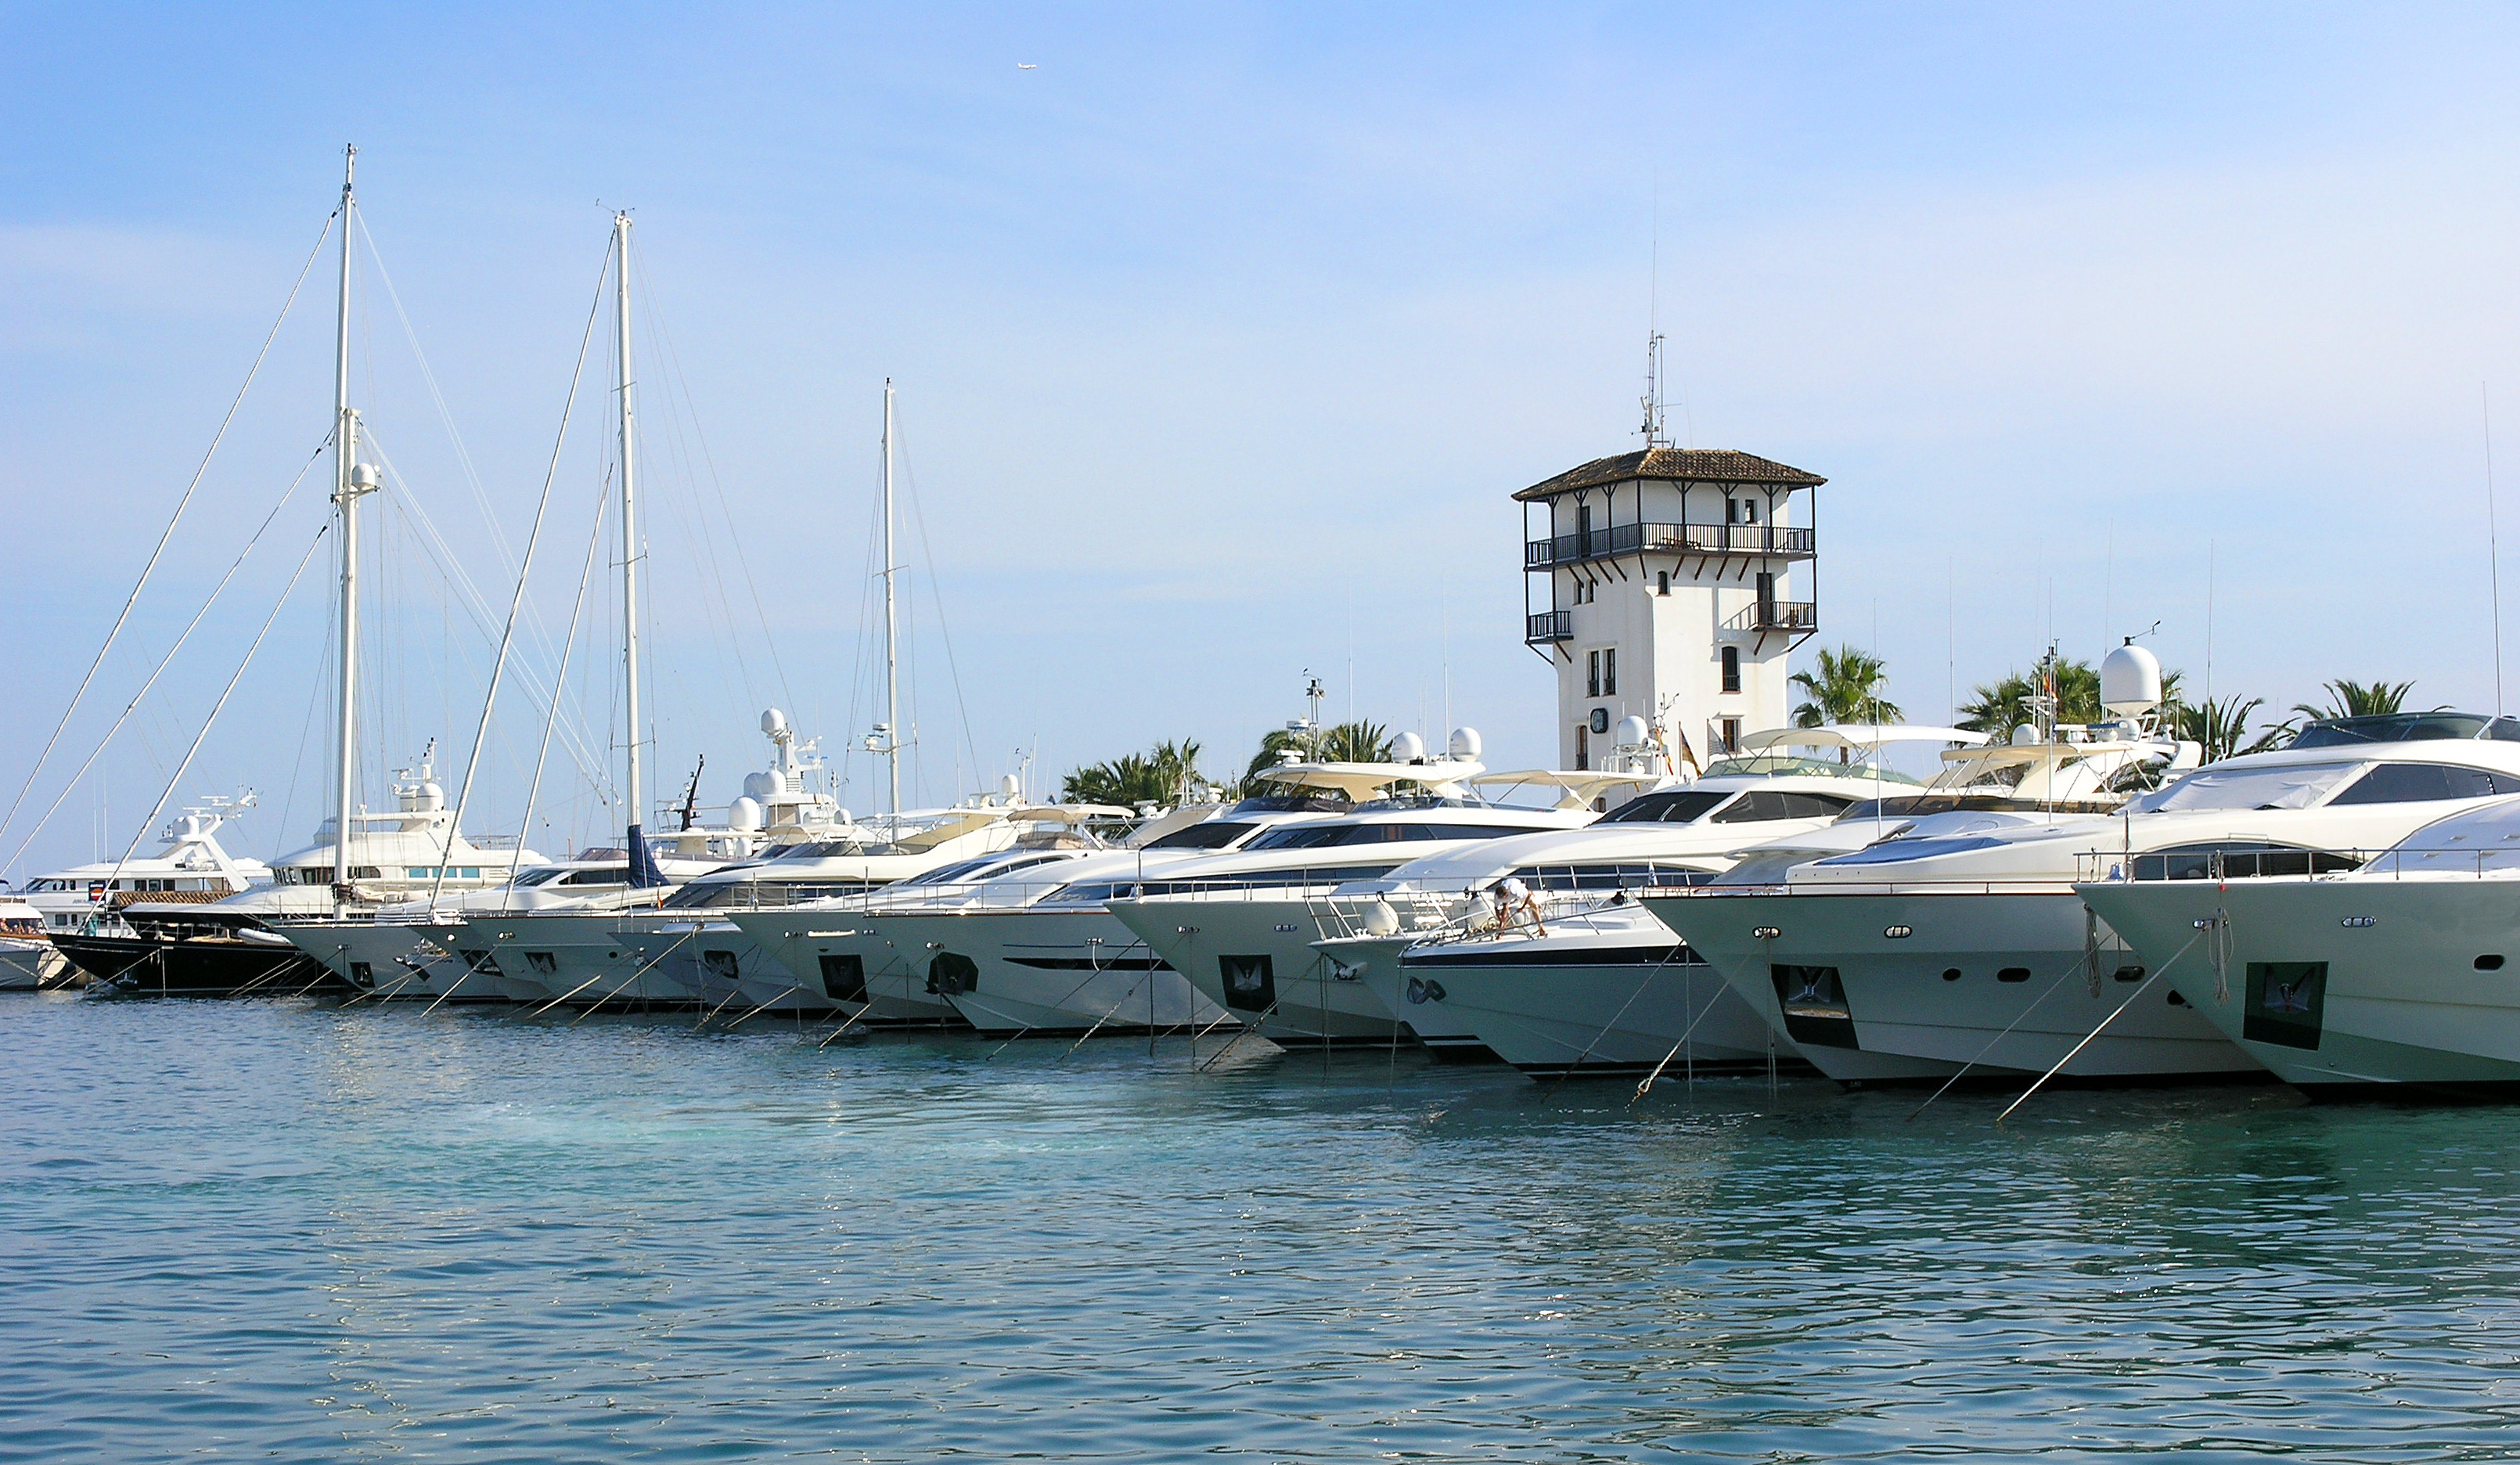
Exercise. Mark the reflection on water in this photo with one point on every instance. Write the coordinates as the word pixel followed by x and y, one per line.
pixel 270 1229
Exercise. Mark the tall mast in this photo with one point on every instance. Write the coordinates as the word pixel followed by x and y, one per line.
pixel 891 627
pixel 348 483
pixel 629 543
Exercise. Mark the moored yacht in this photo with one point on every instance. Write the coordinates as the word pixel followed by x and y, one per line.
pixel 1597 984
pixel 1958 941
pixel 27 957
pixel 2392 975
pixel 190 866
pixel 1241 926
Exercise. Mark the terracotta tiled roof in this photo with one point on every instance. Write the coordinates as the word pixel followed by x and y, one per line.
pixel 1687 465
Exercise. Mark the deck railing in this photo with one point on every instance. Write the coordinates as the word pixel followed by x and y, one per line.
pixel 1770 541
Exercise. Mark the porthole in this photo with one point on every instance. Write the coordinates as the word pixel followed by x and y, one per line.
pixel 2488 963
pixel 2013 974
pixel 1951 973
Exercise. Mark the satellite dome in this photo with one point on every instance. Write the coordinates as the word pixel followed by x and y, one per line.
pixel 773 723
pixel 1633 733
pixel 2130 681
pixel 1466 743
pixel 744 815
pixel 1408 747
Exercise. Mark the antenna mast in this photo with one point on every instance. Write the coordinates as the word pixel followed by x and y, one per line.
pixel 1653 427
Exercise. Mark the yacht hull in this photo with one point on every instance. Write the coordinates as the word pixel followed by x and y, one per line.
pixel 29 965
pixel 586 959
pixel 1029 971
pixel 1918 986
pixel 143 966
pixel 1375 959
pixel 2399 999
pixel 845 954
pixel 1254 958
pixel 392 962
pixel 1613 992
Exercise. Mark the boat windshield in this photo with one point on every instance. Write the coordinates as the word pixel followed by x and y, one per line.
pixel 542 874
pixel 2406 726
pixel 1679 806
pixel 1311 801
pixel 1767 764
pixel 2290 785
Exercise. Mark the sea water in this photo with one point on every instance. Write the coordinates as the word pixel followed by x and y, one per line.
pixel 274 1230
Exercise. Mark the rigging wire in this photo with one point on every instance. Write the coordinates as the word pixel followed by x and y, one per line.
pixel 524 569
pixel 674 361
pixel 169 658
pixel 221 705
pixel 445 414
pixel 534 785
pixel 168 533
pixel 927 552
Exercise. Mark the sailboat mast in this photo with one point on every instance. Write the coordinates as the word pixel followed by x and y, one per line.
pixel 629 533
pixel 891 625
pixel 345 449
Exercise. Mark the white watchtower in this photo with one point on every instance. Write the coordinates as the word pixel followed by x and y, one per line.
pixel 1675 581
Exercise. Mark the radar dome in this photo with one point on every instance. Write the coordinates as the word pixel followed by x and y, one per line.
pixel 1408 747
pixel 1466 743
pixel 744 815
pixel 2130 681
pixel 773 723
pixel 759 787
pixel 1011 786
pixel 1633 733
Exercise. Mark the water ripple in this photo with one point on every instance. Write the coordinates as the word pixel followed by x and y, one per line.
pixel 277 1230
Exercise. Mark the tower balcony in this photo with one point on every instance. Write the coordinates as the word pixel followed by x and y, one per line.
pixel 1763 541
pixel 1547 625
pixel 1794 617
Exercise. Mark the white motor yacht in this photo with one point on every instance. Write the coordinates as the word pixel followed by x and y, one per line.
pixel 1241 927
pixel 2391 975
pixel 1597 985
pixel 190 866
pixel 834 949
pixel 1038 951
pixel 1959 943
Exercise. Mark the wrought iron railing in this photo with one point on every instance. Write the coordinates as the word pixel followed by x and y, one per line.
pixel 1776 616
pixel 1774 541
pixel 1550 625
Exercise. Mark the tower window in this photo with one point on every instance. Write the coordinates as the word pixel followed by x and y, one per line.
pixel 1592 673
pixel 1731 668
pixel 1750 511
pixel 1662 582
pixel 1731 734
pixel 1583 746
pixel 1610 672
pixel 1731 510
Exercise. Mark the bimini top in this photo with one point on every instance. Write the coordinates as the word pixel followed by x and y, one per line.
pixel 1678 466
pixel 1857 737
pixel 2406 726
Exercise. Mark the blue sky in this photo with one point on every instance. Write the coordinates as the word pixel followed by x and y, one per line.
pixel 1222 336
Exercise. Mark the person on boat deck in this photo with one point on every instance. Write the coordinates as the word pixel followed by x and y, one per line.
pixel 1514 899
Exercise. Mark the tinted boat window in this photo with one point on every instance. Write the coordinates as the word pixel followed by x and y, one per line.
pixel 1677 807
pixel 2418 783
pixel 1215 835
pixel 2398 727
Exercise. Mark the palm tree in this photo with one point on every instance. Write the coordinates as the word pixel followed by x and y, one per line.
pixel 1155 776
pixel 2359 700
pixel 2005 705
pixel 2219 726
pixel 1845 688
pixel 1359 742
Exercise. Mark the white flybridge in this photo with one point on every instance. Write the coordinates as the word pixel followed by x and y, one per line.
pixel 1662 587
